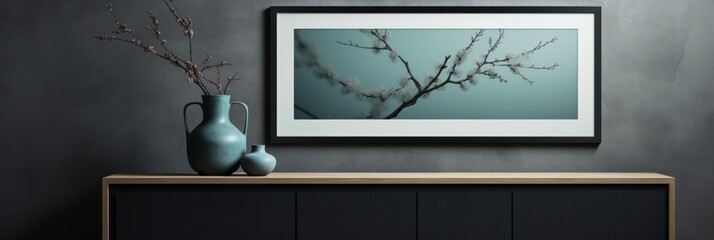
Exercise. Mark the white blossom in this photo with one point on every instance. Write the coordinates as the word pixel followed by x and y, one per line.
pixel 351 85
pixel 376 108
pixel 517 58
pixel 393 55
pixel 473 80
pixel 471 72
pixel 464 86
pixel 407 94
pixel 456 72
pixel 325 72
pixel 404 80
pixel 491 73
pixel 381 93
pixel 383 33
pixel 461 56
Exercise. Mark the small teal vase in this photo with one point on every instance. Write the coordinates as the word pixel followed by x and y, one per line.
pixel 215 146
pixel 258 162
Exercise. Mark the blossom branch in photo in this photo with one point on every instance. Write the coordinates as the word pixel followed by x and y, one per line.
pixel 194 74
pixel 448 71
pixel 377 97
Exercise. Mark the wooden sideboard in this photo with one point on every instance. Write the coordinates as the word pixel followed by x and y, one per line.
pixel 409 206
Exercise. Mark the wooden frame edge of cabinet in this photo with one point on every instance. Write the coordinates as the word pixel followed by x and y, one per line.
pixel 105 210
pixel 654 178
pixel 397 178
pixel 671 210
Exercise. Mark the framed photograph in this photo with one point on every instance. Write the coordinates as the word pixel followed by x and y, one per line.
pixel 434 74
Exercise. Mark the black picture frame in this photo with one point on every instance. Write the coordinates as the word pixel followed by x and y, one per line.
pixel 275 138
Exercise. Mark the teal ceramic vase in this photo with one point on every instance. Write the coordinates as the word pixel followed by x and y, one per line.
pixel 258 162
pixel 215 146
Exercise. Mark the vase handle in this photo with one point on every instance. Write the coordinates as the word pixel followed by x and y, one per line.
pixel 245 126
pixel 185 124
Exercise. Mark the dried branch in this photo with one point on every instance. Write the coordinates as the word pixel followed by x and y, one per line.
pixel 184 22
pixel 230 80
pixel 351 44
pixel 305 111
pixel 376 48
pixel 460 58
pixel 193 73
pixel 439 68
pixel 551 67
pixel 221 64
pixel 541 45
pixel 154 28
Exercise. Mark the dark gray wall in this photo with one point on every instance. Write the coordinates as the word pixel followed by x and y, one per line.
pixel 73 110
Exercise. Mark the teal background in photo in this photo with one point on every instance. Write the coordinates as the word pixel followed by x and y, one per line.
pixel 552 96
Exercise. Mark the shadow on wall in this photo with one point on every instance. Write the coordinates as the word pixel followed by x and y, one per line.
pixel 77 218
pixel 77 214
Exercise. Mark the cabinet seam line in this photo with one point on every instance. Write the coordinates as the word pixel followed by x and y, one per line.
pixel 512 207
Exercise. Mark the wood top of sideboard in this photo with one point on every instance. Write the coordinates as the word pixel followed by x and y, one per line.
pixel 397 178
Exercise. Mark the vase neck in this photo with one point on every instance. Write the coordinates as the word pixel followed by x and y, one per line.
pixel 216 108
pixel 258 148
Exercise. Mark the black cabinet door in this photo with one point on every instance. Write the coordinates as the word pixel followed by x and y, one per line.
pixel 356 215
pixel 590 213
pixel 472 215
pixel 219 213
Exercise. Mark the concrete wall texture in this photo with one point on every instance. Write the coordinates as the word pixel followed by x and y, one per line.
pixel 73 110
